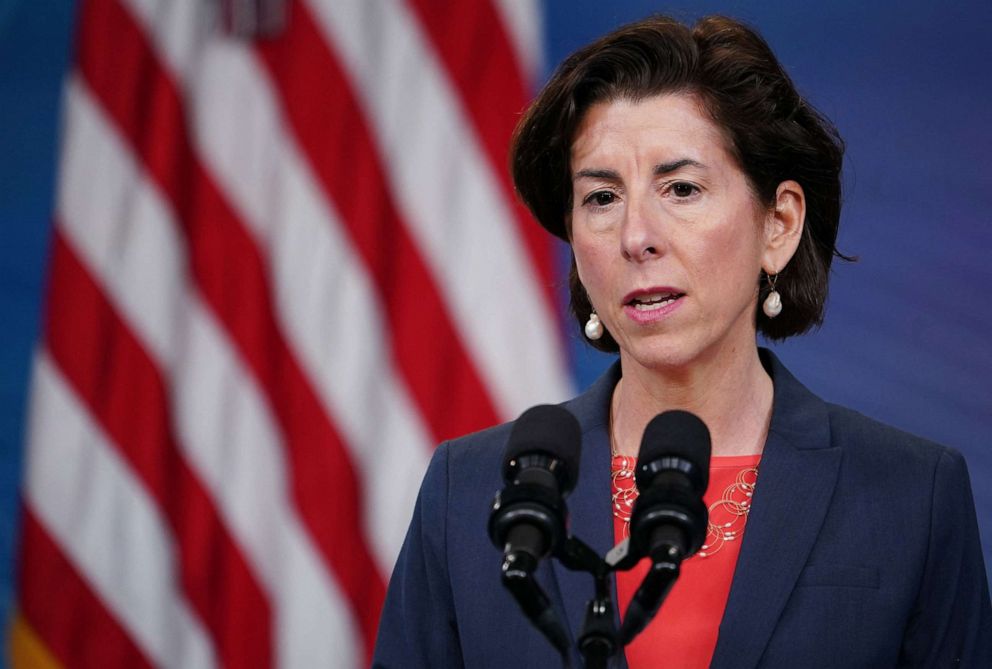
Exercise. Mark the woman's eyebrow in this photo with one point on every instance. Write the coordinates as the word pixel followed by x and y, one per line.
pixel 667 168
pixel 659 170
pixel 608 175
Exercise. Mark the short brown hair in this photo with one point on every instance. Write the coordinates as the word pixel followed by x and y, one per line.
pixel 772 133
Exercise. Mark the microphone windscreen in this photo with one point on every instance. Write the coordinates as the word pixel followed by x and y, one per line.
pixel 678 434
pixel 549 429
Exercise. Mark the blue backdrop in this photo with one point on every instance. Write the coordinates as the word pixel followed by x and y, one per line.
pixel 906 338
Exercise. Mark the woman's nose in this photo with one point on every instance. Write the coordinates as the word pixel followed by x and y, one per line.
pixel 641 232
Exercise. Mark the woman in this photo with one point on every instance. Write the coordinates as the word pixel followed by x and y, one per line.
pixel 700 195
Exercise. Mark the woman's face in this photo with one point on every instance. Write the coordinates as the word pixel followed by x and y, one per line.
pixel 668 238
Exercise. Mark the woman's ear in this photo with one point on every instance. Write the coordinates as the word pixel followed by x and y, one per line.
pixel 784 227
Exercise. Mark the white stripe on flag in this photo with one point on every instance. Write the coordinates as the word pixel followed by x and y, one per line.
pixel 524 22
pixel 178 29
pixel 119 224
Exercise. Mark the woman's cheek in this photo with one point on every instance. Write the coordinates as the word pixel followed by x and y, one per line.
pixel 595 277
pixel 589 269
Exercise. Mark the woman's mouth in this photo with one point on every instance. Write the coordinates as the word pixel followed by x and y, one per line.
pixel 656 301
pixel 651 305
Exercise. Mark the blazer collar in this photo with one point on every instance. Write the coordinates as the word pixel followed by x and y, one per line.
pixel 796 481
pixel 782 526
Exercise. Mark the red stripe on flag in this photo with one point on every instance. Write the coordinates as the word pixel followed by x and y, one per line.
pixel 495 94
pixel 75 625
pixel 124 72
pixel 120 384
pixel 333 133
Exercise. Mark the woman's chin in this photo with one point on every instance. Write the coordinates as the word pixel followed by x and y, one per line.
pixel 661 354
pixel 682 352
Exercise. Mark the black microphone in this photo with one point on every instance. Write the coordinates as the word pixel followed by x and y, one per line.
pixel 540 468
pixel 668 521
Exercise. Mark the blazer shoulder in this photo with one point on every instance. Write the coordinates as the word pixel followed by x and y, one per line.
pixel 868 438
pixel 474 460
pixel 488 445
pixel 486 439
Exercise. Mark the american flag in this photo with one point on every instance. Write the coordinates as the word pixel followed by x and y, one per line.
pixel 287 262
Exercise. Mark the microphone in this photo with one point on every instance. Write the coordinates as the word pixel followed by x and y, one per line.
pixel 540 468
pixel 668 521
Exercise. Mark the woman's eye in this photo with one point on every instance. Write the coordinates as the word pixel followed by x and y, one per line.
pixel 681 189
pixel 600 198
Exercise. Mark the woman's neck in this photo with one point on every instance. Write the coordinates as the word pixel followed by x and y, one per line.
pixel 733 396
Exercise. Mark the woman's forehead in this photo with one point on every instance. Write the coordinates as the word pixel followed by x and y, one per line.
pixel 663 128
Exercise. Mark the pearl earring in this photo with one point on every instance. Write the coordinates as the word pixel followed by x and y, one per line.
pixel 594 329
pixel 773 303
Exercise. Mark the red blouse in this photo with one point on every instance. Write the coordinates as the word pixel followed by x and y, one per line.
pixel 687 624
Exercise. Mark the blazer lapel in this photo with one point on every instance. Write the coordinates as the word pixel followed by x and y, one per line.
pixel 798 472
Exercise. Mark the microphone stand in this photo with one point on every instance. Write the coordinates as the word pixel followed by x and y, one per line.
pixel 599 640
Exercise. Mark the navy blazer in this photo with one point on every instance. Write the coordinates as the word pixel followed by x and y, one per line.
pixel 861 550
